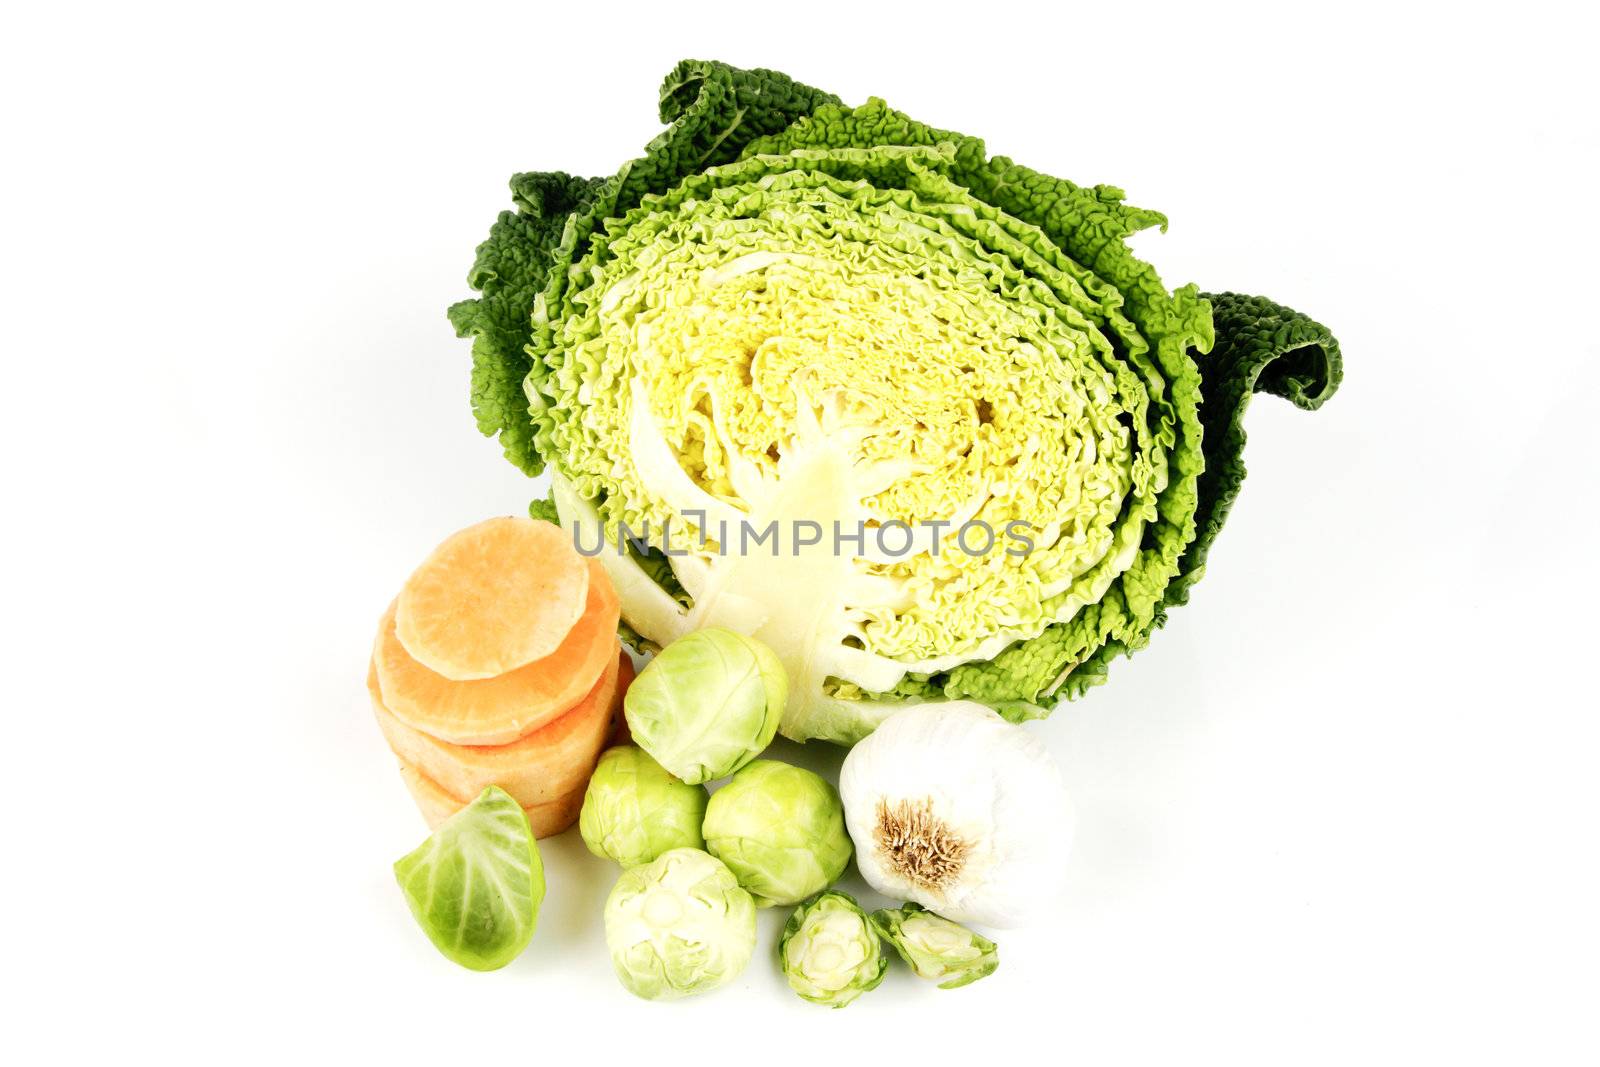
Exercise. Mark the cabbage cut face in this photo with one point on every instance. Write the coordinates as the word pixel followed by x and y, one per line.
pixel 794 315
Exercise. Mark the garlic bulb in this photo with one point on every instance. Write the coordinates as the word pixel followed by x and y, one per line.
pixel 953 807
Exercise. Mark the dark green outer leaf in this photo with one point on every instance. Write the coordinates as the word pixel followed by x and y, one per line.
pixel 1261 347
pixel 510 270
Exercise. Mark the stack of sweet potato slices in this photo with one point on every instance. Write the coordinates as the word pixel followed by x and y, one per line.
pixel 499 664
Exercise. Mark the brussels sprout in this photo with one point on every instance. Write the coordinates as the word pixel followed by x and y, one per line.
pixel 634 810
pixel 679 925
pixel 831 953
pixel 707 704
pixel 937 948
pixel 476 884
pixel 780 830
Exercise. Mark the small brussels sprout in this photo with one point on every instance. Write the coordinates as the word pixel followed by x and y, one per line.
pixel 937 948
pixel 679 925
pixel 633 810
pixel 830 951
pixel 707 704
pixel 780 830
pixel 476 884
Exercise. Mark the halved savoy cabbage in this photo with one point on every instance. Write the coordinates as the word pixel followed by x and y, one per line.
pixel 793 311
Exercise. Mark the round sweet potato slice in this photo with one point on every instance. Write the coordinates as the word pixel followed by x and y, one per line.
pixel 536 768
pixel 497 711
pixel 436 805
pixel 492 598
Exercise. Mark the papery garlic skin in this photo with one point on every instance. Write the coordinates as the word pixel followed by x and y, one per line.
pixel 953 807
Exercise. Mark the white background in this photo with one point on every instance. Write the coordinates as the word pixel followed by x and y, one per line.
pixel 1342 810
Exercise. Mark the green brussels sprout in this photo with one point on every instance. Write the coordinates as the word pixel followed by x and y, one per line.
pixel 780 830
pixel 679 925
pixel 633 810
pixel 830 951
pixel 707 704
pixel 476 884
pixel 937 948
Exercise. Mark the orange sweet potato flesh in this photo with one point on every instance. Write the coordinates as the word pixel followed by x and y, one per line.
pixel 537 768
pixel 493 597
pixel 436 805
pixel 499 710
